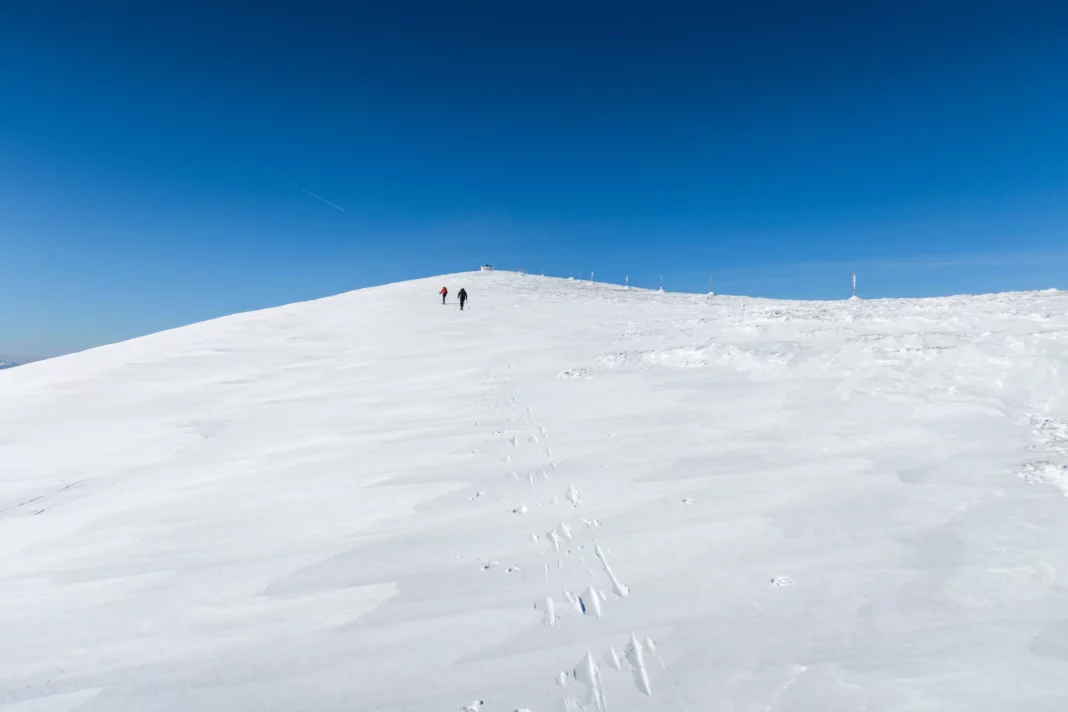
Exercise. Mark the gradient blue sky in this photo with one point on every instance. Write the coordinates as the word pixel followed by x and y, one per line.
pixel 152 157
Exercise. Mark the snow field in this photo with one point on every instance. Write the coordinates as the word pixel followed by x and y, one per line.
pixel 570 496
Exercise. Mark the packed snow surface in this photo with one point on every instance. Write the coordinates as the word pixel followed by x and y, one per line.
pixel 569 496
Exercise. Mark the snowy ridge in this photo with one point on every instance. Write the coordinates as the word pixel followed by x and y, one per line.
pixel 570 496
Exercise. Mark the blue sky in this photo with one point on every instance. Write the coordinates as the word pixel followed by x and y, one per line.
pixel 154 161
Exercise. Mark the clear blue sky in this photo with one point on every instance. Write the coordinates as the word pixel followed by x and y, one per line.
pixel 153 155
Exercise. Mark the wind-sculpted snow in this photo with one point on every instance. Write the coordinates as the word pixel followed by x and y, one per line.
pixel 569 496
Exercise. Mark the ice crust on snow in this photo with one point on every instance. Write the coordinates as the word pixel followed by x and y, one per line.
pixel 311 507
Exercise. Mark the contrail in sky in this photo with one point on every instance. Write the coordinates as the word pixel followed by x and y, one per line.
pixel 570 254
pixel 318 197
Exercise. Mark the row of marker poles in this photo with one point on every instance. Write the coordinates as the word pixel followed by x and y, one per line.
pixel 711 290
pixel 711 286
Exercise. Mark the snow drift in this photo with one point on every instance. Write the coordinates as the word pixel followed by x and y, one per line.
pixel 569 496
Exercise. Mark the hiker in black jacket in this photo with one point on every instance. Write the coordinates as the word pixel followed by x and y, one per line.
pixel 463 297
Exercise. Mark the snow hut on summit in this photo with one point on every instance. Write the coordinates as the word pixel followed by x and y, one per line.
pixel 487 268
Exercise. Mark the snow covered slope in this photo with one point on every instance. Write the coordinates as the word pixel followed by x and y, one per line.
pixel 568 496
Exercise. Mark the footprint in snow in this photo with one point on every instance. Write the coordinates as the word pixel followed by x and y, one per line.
pixel 650 645
pixel 474 706
pixel 576 604
pixel 548 612
pixel 590 602
pixel 619 588
pixel 588 673
pixel 782 581
pixel 634 655
pixel 688 500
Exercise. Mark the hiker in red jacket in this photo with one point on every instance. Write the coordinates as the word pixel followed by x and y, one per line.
pixel 444 293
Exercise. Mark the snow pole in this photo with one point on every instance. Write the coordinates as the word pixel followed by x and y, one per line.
pixel 591 276
pixel 661 283
pixel 627 281
pixel 854 284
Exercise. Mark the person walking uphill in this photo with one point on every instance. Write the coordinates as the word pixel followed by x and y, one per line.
pixel 444 293
pixel 463 297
